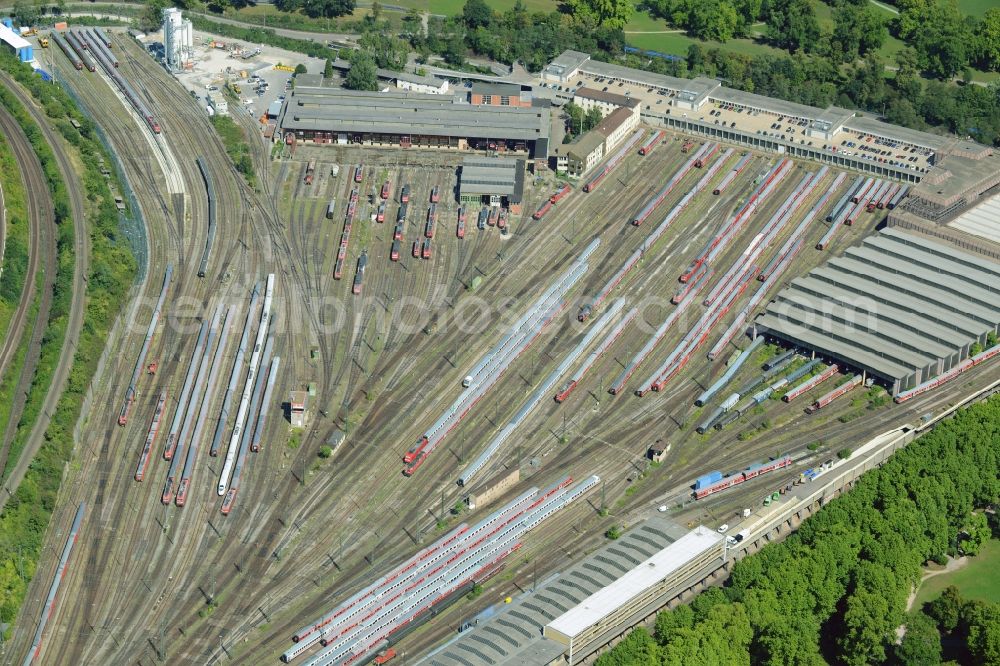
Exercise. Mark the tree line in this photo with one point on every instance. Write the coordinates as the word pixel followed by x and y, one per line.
pixel 836 590
pixel 25 517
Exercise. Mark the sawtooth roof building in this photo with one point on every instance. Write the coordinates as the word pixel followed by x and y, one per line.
pixel 901 306
pixel 587 604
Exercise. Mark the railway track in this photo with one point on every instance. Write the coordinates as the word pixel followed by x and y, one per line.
pixel 81 269
pixel 41 247
pixel 278 559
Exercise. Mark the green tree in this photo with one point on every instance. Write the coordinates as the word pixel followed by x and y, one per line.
pixel 713 19
pixel 942 43
pixel 858 30
pixel 792 24
pixel 454 51
pixel 636 649
pixel 976 533
pixel 25 13
pixel 981 622
pixel 328 69
pixel 300 69
pixel 592 118
pixel 669 622
pixel 325 452
pixel 986 49
pixel 151 17
pixel 921 645
pixel 946 609
pixel 476 14
pixel 388 52
pixel 328 8
pixel 362 75
pixel 912 15
pixel 574 118
pixel 608 13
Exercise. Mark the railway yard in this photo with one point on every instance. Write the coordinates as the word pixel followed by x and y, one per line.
pixel 431 347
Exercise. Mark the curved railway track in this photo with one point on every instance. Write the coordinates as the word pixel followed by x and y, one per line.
pixel 41 246
pixel 277 560
pixel 81 269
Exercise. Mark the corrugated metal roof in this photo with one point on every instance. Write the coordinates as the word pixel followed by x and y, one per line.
pixel 943 250
pixel 332 109
pixel 894 305
pixel 982 220
pixel 936 322
pixel 513 635
pixel 12 39
pixel 637 580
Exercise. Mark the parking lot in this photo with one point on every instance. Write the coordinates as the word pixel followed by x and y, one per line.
pixel 758 121
pixel 214 66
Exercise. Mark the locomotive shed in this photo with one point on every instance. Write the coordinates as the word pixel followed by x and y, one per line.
pixel 153 583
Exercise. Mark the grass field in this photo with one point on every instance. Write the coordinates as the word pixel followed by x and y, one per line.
pixel 976 580
pixel 451 7
pixel 677 43
pixel 975 7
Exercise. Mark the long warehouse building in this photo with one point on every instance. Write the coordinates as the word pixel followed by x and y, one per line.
pixel 587 604
pixel 409 120
pixel 902 307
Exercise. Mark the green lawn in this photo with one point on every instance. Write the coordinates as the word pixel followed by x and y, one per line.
pixel 975 7
pixel 677 43
pixel 890 47
pixel 452 7
pixel 976 580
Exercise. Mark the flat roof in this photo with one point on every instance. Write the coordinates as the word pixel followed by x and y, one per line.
pixel 644 575
pixel 426 80
pixel 335 109
pixel 13 39
pixel 982 220
pixel 489 88
pixel 496 176
pixel 566 61
pixel 869 125
pixel 779 106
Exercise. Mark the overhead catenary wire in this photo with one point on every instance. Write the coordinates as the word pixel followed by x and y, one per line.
pixel 235 374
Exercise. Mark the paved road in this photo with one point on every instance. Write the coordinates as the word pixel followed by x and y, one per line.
pixel 81 268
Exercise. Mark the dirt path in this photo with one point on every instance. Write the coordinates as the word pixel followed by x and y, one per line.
pixel 954 564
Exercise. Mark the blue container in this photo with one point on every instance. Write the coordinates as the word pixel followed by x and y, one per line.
pixel 707 480
pixel 45 75
pixel 8 22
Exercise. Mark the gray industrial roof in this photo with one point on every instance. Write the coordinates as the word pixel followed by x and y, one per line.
pixel 895 305
pixel 514 634
pixel 334 109
pixel 982 220
pixel 585 145
pixel 944 251
pixel 868 125
pixel 566 61
pixel 641 577
pixel 834 115
pixel 488 88
pixel 501 176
